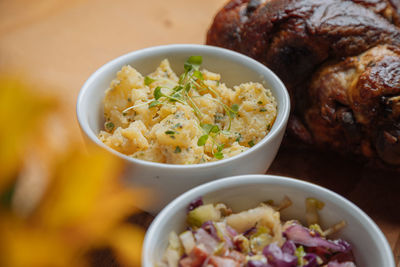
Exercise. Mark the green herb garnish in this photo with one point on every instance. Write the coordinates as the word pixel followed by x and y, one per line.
pixel 178 150
pixel 202 140
pixel 157 93
pixel 218 155
pixel 262 110
pixel 178 125
pixel 110 126
pixel 154 103
pixel 239 138
pixel 251 143
pixel 233 110
pixel 148 80
pixel 210 128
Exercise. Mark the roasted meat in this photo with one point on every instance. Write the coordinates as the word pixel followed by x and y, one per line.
pixel 340 61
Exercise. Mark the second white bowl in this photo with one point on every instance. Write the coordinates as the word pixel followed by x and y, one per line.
pixel 370 247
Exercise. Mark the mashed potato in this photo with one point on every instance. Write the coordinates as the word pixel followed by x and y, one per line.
pixel 190 119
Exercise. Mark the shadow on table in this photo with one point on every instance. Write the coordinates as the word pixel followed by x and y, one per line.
pixel 375 191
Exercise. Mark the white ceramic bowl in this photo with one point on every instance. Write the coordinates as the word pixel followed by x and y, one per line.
pixel 370 247
pixel 167 181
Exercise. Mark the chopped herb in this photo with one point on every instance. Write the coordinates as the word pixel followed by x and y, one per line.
pixel 262 110
pixel 158 93
pixel 218 118
pixel 251 143
pixel 148 80
pixel 177 150
pixel 129 99
pixel 260 102
pixel 154 103
pixel 169 132
pixel 124 114
pixel 178 125
pixel 239 138
pixel 110 126
pixel 202 140
pixel 269 127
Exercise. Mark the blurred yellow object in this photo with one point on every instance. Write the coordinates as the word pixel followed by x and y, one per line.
pixel 81 204
pixel 20 112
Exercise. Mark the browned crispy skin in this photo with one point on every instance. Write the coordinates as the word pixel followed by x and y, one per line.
pixel 292 37
pixel 354 105
pixel 340 61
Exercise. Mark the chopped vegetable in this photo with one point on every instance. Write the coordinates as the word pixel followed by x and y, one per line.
pixel 110 126
pixel 203 213
pixel 253 238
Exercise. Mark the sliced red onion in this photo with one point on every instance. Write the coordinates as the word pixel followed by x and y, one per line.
pixel 232 232
pixel 301 235
pixel 210 228
pixel 289 247
pixel 195 203
pixel 228 240
pixel 250 232
pixel 311 260
pixel 277 258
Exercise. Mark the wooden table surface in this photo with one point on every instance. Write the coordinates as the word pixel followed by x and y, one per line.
pixel 57 44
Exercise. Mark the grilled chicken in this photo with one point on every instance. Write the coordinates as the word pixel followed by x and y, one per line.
pixel 340 61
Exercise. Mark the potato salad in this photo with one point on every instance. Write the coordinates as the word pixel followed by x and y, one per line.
pixel 188 119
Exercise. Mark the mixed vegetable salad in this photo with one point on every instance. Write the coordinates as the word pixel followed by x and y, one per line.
pixel 257 237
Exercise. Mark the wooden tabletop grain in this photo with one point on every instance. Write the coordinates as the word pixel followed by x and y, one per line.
pixel 57 44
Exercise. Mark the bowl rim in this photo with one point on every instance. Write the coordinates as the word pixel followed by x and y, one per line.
pixel 233 181
pixel 277 126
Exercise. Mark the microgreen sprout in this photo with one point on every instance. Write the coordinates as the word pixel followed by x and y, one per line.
pixel 193 79
pixel 154 103
pixel 148 80
pixel 202 140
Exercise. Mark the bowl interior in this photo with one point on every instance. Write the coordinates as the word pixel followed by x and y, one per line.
pixel 233 67
pixel 244 192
